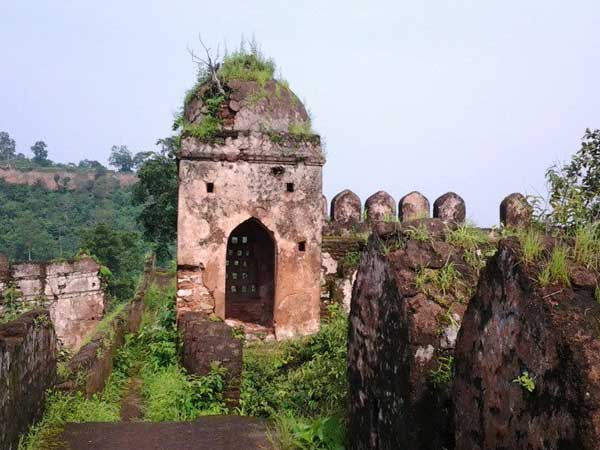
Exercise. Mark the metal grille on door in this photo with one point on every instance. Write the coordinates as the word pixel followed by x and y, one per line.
pixel 242 268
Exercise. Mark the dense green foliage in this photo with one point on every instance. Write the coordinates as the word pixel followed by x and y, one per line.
pixel 121 158
pixel 574 188
pixel 40 224
pixel 121 251
pixel 156 195
pixel 7 147
pixel 40 153
pixel 301 384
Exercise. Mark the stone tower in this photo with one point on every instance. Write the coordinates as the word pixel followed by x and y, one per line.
pixel 250 209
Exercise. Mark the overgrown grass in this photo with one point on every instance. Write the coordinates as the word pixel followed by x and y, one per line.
pixel 476 244
pixel 444 280
pixel 248 65
pixel 169 393
pixel 557 269
pixel 301 129
pixel 173 395
pixel 301 385
pixel 419 233
pixel 467 236
pixel 63 408
pixel 586 247
pixel 532 244
pixel 293 433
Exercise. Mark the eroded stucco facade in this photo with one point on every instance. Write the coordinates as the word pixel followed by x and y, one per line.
pixel 244 175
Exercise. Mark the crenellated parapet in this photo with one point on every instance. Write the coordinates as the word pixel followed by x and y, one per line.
pixel 347 213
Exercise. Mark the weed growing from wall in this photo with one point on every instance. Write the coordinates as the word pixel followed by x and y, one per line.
pixel 525 381
pixel 586 246
pixel 532 244
pixel 557 269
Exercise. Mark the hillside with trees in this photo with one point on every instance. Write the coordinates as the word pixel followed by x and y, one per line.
pixel 52 211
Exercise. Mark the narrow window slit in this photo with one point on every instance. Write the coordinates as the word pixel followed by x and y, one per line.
pixel 289 187
pixel 302 246
pixel 210 187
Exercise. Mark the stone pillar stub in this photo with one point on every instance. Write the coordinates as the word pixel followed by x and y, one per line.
pixel 450 207
pixel 515 211
pixel 380 207
pixel 413 206
pixel 346 208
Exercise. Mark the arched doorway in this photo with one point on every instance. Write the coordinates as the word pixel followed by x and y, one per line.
pixel 250 274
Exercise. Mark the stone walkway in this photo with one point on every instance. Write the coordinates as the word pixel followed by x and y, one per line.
pixel 206 433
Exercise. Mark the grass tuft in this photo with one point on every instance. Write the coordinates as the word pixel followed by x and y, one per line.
pixel 586 250
pixel 532 244
pixel 557 269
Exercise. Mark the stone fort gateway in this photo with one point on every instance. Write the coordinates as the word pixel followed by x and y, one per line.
pixel 255 245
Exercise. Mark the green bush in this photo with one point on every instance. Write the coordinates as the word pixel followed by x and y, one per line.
pixel 172 395
pixel 305 377
pixel 64 408
pixel 292 433
pixel 249 65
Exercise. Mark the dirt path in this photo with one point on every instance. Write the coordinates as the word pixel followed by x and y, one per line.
pixel 207 433
pixel 131 405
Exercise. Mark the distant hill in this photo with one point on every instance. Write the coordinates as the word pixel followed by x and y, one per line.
pixel 54 178
pixel 44 210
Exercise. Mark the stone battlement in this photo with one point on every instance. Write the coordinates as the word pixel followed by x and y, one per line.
pixel 346 209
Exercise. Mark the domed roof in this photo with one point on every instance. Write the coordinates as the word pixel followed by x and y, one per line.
pixel 249 106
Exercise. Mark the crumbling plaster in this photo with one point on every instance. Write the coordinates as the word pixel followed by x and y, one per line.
pixel 250 175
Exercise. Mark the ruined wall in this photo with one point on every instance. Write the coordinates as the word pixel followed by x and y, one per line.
pixel 347 228
pixel 53 180
pixel 404 322
pixel 28 354
pixel 89 369
pixel 339 261
pixel 72 291
pixel 250 173
pixel 206 342
pixel 413 285
pixel 514 326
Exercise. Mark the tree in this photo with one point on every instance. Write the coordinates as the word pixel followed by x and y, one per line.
pixel 120 157
pixel 121 251
pixel 574 188
pixel 7 146
pixel 156 191
pixel 90 164
pixel 140 158
pixel 40 153
pixel 32 238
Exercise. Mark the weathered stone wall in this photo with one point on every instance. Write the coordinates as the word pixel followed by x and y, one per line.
pixel 61 179
pixel 28 354
pixel 72 291
pixel 206 342
pixel 89 369
pixel 340 256
pixel 251 176
pixel 404 323
pixel 513 326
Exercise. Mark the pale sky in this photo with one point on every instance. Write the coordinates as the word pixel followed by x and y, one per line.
pixel 476 97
